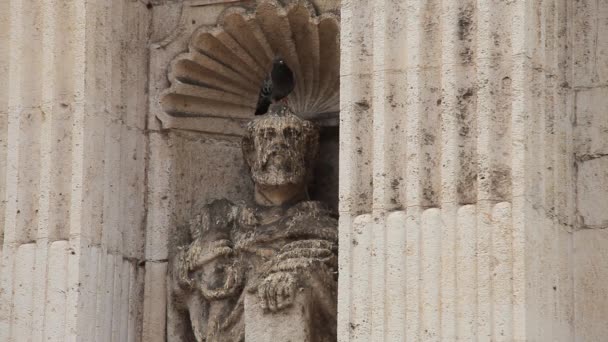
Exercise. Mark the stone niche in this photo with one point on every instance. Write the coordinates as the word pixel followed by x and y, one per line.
pixel 207 64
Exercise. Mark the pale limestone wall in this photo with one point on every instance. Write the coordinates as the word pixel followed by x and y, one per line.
pixel 457 176
pixel 590 84
pixel 73 83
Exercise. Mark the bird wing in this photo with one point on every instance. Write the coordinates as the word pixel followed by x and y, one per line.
pixel 264 98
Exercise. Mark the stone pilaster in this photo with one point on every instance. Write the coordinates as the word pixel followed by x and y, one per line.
pixel 457 194
pixel 73 161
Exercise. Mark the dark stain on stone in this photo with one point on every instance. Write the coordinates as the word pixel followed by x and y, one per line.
pixel 465 28
pixel 466 55
pixel 363 104
pixel 464 99
pixel 391 100
pixel 467 94
pixel 506 82
pixel 501 182
pixel 467 180
pixel 429 196
pixel 428 138
pixel 395 184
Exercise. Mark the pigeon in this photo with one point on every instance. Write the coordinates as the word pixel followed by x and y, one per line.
pixel 276 87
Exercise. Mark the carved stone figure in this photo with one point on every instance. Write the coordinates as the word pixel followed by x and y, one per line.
pixel 279 248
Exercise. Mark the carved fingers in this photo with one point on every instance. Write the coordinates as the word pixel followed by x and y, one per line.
pixel 313 253
pixel 277 291
pixel 305 254
pixel 296 265
pixel 199 255
pixel 295 261
pixel 231 284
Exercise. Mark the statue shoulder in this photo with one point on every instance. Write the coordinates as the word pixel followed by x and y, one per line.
pixel 216 216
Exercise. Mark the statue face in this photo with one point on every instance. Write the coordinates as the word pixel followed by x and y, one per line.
pixel 280 150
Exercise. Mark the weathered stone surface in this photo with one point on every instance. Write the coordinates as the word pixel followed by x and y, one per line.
pixel 155 299
pixel 592 192
pixel 591 299
pixel 591 122
pixel 589 43
pixel 290 325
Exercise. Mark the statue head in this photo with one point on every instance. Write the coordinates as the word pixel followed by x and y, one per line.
pixel 280 148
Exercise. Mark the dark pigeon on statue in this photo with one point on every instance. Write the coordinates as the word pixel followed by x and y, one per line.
pixel 276 86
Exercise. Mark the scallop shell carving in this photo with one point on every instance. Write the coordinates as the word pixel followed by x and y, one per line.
pixel 218 79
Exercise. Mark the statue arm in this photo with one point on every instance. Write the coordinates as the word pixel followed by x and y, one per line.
pixel 305 263
pixel 210 231
pixel 202 252
pixel 305 254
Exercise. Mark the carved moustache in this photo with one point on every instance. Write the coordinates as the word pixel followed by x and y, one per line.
pixel 278 149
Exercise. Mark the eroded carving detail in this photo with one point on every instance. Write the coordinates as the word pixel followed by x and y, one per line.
pixel 273 248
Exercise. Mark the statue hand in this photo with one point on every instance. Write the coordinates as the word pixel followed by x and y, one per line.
pixel 202 252
pixel 306 254
pixel 277 291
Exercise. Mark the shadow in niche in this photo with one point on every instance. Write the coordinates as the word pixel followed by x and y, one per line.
pixel 324 186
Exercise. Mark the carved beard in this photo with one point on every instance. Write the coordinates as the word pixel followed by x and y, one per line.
pixel 279 165
pixel 279 150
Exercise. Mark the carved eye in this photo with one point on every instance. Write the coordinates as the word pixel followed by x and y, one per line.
pixel 269 133
pixel 289 133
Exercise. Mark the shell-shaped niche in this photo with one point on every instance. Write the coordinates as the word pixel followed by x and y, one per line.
pixel 221 73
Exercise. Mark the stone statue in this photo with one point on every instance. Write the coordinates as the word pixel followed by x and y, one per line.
pixel 275 249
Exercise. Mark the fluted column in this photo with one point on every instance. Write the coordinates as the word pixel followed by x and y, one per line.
pixel 72 169
pixel 456 161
